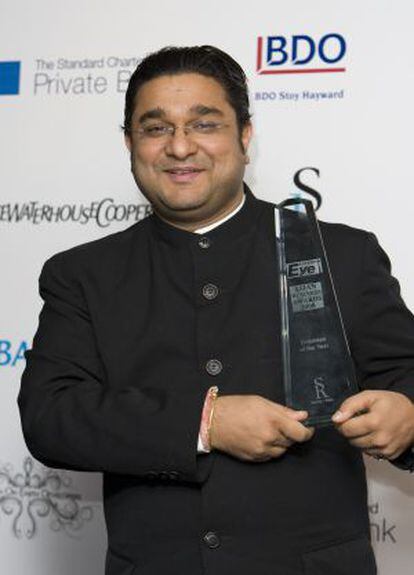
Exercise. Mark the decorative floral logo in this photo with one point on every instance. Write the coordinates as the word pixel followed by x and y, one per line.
pixel 27 496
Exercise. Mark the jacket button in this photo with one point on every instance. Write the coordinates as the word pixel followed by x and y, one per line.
pixel 164 475
pixel 151 475
pixel 210 291
pixel 204 243
pixel 212 540
pixel 173 475
pixel 214 367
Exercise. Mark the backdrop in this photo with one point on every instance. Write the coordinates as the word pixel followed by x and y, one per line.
pixel 331 86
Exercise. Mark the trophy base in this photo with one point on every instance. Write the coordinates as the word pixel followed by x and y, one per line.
pixel 319 421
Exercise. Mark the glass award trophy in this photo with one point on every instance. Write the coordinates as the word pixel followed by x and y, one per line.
pixel 318 370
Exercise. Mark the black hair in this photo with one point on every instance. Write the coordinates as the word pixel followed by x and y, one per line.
pixel 205 60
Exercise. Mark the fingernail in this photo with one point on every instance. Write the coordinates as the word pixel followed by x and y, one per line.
pixel 337 416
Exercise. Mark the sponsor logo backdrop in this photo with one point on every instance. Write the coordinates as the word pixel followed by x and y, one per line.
pixel 331 87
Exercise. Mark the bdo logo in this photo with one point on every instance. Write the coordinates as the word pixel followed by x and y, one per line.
pixel 300 54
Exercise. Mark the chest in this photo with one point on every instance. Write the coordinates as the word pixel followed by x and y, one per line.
pixel 210 316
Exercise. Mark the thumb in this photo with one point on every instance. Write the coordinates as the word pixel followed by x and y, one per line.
pixel 298 415
pixel 354 405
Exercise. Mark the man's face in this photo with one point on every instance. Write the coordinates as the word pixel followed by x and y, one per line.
pixel 194 175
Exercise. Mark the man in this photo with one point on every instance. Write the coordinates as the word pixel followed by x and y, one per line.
pixel 141 329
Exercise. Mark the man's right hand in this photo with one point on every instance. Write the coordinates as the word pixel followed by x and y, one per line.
pixel 253 428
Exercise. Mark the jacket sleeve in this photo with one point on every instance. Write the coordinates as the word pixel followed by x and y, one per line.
pixel 72 419
pixel 383 341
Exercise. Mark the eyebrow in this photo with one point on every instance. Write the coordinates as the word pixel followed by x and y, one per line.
pixel 202 110
pixel 152 114
pixel 198 109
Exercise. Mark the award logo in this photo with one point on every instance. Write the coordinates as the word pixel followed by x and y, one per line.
pixel 320 390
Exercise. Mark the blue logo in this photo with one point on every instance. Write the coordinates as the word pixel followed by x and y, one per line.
pixel 300 54
pixel 9 78
pixel 10 353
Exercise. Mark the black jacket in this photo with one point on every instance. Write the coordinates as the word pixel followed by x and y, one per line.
pixel 118 372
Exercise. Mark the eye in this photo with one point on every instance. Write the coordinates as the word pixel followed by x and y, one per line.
pixel 205 126
pixel 155 130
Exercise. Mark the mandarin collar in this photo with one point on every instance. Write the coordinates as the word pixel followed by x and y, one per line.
pixel 233 228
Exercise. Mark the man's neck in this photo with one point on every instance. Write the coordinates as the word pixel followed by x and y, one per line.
pixel 213 221
pixel 218 223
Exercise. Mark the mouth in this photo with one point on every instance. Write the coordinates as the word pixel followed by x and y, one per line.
pixel 183 174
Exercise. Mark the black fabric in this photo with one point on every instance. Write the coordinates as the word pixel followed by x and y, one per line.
pixel 117 376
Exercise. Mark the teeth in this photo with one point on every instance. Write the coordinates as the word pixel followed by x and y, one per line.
pixel 189 171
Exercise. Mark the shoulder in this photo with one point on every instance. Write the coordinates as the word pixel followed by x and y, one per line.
pixel 357 248
pixel 104 252
pixel 333 233
pixel 343 241
pixel 352 252
pixel 337 232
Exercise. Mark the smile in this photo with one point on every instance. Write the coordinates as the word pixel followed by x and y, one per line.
pixel 183 174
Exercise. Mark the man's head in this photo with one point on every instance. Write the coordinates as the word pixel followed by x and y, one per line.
pixel 205 60
pixel 187 126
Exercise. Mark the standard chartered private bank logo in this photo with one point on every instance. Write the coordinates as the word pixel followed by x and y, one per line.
pixel 9 78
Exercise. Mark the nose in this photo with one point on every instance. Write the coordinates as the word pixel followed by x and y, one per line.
pixel 180 144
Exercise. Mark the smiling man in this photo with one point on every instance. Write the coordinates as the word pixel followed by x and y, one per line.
pixel 157 360
pixel 188 151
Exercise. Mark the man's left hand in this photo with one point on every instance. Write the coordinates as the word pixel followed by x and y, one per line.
pixel 381 423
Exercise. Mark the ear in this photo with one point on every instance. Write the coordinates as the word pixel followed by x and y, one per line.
pixel 127 140
pixel 246 136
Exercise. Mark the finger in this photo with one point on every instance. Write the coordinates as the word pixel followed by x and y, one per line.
pixel 281 441
pixel 388 454
pixel 365 442
pixel 395 453
pixel 354 405
pixel 276 451
pixel 296 414
pixel 295 431
pixel 271 452
pixel 357 426
pixel 299 415
pixel 375 453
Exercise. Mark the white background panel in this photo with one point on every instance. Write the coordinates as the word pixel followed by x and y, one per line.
pixel 59 149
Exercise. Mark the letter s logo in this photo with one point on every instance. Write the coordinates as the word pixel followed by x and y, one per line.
pixel 307 189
